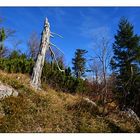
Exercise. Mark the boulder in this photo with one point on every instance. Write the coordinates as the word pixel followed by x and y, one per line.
pixel 90 102
pixel 130 114
pixel 133 115
pixel 6 90
pixel 90 105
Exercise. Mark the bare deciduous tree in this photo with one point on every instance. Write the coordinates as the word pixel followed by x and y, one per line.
pixel 16 43
pixel 3 51
pixel 9 33
pixel 5 34
pixel 95 69
pixel 102 56
pixel 33 45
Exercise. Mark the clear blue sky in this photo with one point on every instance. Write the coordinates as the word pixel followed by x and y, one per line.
pixel 80 27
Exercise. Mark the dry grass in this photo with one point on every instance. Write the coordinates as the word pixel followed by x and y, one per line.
pixel 49 111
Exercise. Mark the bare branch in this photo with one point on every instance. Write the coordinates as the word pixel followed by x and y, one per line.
pixel 9 33
pixel 33 45
pixel 56 60
pixel 51 36
pixel 56 47
pixel 56 34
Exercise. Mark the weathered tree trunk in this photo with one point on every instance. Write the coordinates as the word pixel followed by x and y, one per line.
pixel 44 46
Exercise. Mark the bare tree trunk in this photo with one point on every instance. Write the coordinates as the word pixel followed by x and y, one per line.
pixel 44 46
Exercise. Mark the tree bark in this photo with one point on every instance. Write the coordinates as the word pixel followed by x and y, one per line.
pixel 44 46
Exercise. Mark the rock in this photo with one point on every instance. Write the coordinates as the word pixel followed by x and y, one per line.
pixel 91 106
pixel 18 77
pixel 132 114
pixel 90 102
pixel 6 91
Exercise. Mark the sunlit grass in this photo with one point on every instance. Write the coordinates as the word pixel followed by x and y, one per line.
pixel 50 111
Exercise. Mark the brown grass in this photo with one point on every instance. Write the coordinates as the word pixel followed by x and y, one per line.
pixel 50 111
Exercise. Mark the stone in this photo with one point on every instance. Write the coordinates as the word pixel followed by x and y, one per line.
pixel 132 114
pixel 90 102
pixel 92 106
pixel 6 91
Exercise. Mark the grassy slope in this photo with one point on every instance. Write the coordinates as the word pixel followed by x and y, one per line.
pixel 50 111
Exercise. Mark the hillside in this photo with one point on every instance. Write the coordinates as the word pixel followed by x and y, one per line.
pixel 50 111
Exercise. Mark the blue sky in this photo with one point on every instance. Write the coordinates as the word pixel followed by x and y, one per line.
pixel 80 26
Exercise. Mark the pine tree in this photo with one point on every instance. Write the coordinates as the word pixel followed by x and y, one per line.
pixel 79 63
pixel 125 63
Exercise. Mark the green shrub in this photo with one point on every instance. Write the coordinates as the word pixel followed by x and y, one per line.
pixel 16 63
pixel 63 81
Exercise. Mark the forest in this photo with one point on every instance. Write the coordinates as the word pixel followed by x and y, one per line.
pixel 105 86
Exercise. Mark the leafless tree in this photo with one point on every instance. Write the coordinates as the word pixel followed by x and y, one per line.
pixel 33 45
pixel 9 33
pixel 45 45
pixel 15 43
pixel 95 69
pixel 102 56
pixel 4 51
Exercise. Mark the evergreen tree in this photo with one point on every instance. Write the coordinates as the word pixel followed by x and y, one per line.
pixel 79 63
pixel 125 64
pixel 68 71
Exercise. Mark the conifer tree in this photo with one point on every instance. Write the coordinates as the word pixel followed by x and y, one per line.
pixel 79 63
pixel 125 64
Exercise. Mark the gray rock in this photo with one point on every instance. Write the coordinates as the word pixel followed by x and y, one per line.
pixel 92 105
pixel 6 91
pixel 132 114
pixel 90 102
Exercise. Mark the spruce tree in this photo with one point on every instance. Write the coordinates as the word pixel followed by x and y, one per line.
pixel 79 63
pixel 125 64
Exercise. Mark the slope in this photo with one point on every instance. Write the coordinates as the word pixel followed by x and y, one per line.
pixel 50 111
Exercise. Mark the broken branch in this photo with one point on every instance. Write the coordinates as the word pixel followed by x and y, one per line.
pixel 56 34
pixel 56 60
pixel 56 47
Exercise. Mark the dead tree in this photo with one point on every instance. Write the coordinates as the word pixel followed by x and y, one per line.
pixel 45 45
